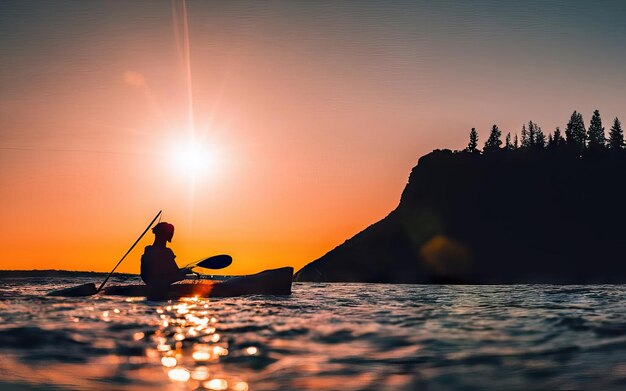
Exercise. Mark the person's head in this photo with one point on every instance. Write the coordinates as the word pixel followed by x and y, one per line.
pixel 163 230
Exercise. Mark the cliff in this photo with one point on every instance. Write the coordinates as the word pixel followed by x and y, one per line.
pixel 522 216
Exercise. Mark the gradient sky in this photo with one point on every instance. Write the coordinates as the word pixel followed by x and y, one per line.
pixel 312 114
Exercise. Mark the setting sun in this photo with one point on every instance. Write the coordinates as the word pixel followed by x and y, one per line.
pixel 192 158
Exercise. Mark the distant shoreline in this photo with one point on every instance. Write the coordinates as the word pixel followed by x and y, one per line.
pixel 56 273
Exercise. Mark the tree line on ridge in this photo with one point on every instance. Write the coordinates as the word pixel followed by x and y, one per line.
pixel 577 138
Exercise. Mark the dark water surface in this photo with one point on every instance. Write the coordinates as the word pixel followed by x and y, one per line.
pixel 324 336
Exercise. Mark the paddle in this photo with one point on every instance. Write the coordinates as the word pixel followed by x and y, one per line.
pixel 90 288
pixel 214 262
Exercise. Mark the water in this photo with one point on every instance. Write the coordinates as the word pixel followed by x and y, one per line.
pixel 324 336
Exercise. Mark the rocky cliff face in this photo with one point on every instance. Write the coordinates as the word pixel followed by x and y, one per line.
pixel 518 216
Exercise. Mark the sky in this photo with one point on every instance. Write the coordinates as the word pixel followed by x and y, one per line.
pixel 307 116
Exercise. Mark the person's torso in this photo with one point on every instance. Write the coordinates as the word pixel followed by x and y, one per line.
pixel 158 263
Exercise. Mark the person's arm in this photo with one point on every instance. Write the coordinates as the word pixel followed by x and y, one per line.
pixel 180 273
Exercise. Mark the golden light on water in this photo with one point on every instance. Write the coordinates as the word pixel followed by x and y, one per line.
pixel 189 348
pixel 179 374
pixel 215 337
pixel 240 386
pixel 169 362
pixel 201 355
pixel 200 373
pixel 216 384
pixel 220 351
pixel 164 348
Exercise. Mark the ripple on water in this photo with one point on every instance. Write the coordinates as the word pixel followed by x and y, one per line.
pixel 325 336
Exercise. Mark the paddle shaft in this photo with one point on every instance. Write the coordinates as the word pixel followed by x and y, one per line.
pixel 193 264
pixel 129 250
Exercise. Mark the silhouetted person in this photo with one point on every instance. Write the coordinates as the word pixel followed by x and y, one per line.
pixel 158 268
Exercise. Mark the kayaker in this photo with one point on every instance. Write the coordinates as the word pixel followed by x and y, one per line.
pixel 158 267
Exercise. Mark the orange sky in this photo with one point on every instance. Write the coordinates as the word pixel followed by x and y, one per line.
pixel 312 116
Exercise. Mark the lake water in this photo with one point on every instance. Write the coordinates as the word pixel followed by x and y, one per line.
pixel 323 337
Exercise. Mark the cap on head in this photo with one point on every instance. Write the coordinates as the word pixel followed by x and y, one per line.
pixel 165 230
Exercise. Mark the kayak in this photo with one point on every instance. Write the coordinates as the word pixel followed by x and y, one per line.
pixel 268 282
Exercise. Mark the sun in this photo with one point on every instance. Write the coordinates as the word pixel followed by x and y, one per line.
pixel 192 159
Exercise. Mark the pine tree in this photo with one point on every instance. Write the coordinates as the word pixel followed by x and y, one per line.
pixel 575 132
pixel 616 136
pixel 540 138
pixel 473 142
pixel 558 139
pixel 525 141
pixel 493 142
pixel 532 134
pixel 507 141
pixel 555 140
pixel 595 134
pixel 515 143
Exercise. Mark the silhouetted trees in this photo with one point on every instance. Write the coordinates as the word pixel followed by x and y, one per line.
pixel 540 138
pixel 577 139
pixel 533 136
pixel 525 138
pixel 558 139
pixel 595 134
pixel 493 142
pixel 555 140
pixel 472 146
pixel 575 133
pixel 616 136
pixel 532 133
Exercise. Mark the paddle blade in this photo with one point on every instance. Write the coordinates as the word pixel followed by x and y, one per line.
pixel 215 262
pixel 76 291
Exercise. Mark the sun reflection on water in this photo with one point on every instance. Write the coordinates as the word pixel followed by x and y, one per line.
pixel 189 347
pixel 168 362
pixel 179 374
pixel 216 384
